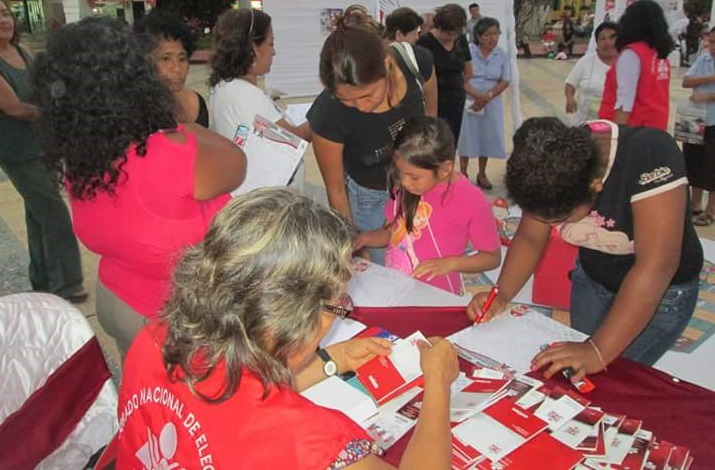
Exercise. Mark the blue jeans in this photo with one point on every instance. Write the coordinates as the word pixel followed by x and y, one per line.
pixel 590 302
pixel 368 209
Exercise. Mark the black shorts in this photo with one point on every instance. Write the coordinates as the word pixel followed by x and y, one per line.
pixel 700 162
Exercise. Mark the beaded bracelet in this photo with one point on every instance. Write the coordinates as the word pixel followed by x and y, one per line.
pixel 598 353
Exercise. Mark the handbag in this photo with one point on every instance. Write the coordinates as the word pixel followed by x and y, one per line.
pixel 690 122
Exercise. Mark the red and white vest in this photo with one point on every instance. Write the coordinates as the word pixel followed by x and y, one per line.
pixel 651 105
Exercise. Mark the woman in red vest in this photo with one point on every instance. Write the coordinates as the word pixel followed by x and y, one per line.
pixel 215 383
pixel 637 90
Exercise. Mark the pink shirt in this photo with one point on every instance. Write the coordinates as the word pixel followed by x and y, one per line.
pixel 448 218
pixel 141 231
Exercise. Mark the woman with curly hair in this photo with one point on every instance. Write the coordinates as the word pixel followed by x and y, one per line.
pixel 142 187
pixel 172 42
pixel 238 340
pixel 637 90
pixel 370 92
pixel 621 195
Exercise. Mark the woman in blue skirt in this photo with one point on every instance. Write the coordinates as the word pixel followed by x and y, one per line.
pixel 482 133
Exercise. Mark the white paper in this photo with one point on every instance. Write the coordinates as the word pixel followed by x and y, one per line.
pixel 296 113
pixel 341 330
pixel 273 154
pixel 336 394
pixel 387 427
pixel 515 339
pixel 372 284
pixel 558 412
pixel 405 356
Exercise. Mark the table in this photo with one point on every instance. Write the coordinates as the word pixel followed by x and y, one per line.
pixel 675 410
pixel 377 286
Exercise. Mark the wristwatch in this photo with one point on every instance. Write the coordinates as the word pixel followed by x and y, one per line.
pixel 330 368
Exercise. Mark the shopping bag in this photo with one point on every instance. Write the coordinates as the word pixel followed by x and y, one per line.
pixel 689 125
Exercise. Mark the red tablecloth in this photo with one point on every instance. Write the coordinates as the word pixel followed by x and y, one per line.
pixel 675 410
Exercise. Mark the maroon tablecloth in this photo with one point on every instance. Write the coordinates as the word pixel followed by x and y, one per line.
pixel 675 410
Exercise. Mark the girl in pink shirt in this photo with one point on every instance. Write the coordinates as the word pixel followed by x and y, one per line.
pixel 433 213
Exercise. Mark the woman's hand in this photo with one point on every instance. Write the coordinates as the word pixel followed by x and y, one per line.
pixel 360 241
pixel 581 357
pixel 432 268
pixel 351 354
pixel 474 309
pixel 571 106
pixel 476 107
pixel 438 361
pixel 481 99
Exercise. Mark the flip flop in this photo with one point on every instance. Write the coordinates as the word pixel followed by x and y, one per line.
pixel 703 220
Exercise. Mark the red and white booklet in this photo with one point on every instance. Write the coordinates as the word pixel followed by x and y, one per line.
pixel 499 429
pixel 386 377
pixel 543 452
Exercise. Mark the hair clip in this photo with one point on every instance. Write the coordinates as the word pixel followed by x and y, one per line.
pixel 58 89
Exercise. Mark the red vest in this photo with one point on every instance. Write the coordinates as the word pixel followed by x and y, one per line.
pixel 161 421
pixel 651 106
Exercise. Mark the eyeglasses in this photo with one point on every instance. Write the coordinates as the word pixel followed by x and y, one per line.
pixel 341 308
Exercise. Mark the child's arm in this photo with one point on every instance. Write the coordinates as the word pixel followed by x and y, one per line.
pixel 372 239
pixel 474 263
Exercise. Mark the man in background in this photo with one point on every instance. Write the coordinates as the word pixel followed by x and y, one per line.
pixel 474 16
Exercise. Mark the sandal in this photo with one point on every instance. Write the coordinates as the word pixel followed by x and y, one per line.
pixel 696 212
pixel 483 182
pixel 78 297
pixel 703 220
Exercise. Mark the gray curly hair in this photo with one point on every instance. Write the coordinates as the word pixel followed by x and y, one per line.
pixel 252 292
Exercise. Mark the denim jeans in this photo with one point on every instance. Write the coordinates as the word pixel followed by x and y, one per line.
pixel 590 302
pixel 368 209
pixel 55 264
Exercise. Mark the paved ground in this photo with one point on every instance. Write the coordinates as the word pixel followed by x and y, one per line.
pixel 541 94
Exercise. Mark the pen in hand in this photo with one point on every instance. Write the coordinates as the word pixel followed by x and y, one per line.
pixel 487 304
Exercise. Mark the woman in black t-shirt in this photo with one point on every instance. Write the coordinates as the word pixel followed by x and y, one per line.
pixel 452 62
pixel 370 91
pixel 621 195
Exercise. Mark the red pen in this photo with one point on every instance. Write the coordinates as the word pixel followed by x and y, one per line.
pixel 487 304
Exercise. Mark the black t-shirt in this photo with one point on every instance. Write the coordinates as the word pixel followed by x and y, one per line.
pixel 648 162
pixel 449 65
pixel 368 137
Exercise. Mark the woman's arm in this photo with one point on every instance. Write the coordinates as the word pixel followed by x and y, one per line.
pixel 476 95
pixel 628 71
pixel 658 237
pixel 476 263
pixel 498 89
pixel 11 105
pixel 570 92
pixel 329 156
pixel 220 164
pixel 373 238
pixel 303 131
pixel 521 259
pixel 430 446
pixel 431 94
pixel 692 82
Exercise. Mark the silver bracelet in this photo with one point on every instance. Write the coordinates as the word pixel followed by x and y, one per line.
pixel 598 353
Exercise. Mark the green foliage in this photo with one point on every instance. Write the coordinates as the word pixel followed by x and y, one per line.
pixel 697 7
pixel 201 14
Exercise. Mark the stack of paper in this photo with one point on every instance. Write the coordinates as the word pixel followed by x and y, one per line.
pixel 525 422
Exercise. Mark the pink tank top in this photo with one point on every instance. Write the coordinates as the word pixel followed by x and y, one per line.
pixel 141 232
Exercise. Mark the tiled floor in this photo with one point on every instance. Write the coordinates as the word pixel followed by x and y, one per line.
pixel 541 94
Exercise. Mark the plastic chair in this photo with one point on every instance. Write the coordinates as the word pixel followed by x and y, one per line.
pixel 59 404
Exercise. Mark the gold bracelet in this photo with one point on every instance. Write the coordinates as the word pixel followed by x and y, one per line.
pixel 598 353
